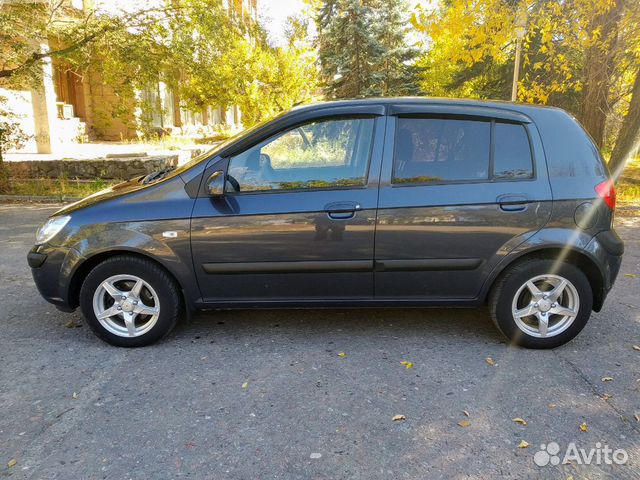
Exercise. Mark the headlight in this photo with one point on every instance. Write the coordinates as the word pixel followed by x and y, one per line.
pixel 51 228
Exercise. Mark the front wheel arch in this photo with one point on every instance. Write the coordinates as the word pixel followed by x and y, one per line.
pixel 82 270
pixel 572 256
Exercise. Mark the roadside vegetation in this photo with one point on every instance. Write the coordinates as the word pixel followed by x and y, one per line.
pixel 57 188
pixel 628 188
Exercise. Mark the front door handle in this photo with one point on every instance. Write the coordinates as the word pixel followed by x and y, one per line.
pixel 513 203
pixel 342 210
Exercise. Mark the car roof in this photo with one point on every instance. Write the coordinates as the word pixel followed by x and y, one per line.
pixel 519 112
pixel 462 102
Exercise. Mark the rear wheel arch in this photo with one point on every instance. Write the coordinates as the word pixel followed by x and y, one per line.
pixel 82 270
pixel 572 256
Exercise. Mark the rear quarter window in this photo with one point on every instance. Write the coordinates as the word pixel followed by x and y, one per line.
pixel 569 150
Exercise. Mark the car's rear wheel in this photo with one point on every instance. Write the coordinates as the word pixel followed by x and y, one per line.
pixel 130 301
pixel 541 303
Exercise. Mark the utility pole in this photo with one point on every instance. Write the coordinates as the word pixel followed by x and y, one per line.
pixel 521 28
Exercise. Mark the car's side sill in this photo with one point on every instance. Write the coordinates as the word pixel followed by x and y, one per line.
pixel 336 303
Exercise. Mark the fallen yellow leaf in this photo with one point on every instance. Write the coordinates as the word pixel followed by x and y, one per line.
pixel 607 379
pixel 632 275
pixel 521 421
pixel 636 347
pixel 490 361
pixel 409 365
pixel 398 418
pixel 552 405
pixel 342 354
pixel 12 463
pixel 464 423
pixel 583 427
pixel 245 385
pixel 523 444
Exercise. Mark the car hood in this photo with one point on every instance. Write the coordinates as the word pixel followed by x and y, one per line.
pixel 110 193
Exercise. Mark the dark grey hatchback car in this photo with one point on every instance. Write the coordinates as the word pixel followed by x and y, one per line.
pixel 380 202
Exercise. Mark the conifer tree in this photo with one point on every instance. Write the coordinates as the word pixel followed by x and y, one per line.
pixel 398 70
pixel 364 49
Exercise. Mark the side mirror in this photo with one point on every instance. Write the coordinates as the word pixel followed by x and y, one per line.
pixel 215 184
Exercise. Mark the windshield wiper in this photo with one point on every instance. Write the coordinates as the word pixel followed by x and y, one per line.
pixel 152 177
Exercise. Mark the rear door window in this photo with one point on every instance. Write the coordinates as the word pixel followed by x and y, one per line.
pixel 441 150
pixel 458 150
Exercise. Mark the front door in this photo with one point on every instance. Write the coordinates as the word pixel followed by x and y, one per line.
pixel 297 220
pixel 457 194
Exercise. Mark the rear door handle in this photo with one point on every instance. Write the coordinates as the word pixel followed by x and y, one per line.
pixel 342 210
pixel 513 203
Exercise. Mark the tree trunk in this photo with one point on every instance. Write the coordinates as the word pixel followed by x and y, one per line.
pixel 4 176
pixel 599 66
pixel 629 136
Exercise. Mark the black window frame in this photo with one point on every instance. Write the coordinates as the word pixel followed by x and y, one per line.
pixel 491 174
pixel 356 116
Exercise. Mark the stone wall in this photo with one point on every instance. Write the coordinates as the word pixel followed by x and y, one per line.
pixel 104 168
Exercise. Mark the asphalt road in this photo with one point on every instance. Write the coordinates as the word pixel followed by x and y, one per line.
pixel 265 394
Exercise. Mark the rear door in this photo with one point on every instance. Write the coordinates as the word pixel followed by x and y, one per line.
pixel 297 220
pixel 459 189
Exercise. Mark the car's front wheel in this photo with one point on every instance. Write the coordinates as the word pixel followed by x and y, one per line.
pixel 541 303
pixel 129 301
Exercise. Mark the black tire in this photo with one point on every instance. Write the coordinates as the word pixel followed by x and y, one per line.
pixel 171 305
pixel 506 287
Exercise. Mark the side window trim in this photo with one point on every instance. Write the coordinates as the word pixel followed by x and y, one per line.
pixel 291 127
pixel 491 178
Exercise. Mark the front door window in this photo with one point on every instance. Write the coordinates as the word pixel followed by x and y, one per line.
pixel 323 154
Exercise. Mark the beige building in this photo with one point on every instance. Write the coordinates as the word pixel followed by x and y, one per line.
pixel 71 106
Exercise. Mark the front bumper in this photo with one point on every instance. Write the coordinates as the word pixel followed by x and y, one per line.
pixel 51 268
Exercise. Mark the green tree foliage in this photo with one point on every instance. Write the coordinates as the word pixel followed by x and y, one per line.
pixel 205 55
pixel 399 73
pixel 364 48
pixel 261 79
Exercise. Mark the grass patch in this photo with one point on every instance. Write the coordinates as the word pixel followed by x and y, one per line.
pixel 628 188
pixel 62 188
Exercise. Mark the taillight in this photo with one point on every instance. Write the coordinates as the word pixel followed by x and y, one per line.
pixel 607 191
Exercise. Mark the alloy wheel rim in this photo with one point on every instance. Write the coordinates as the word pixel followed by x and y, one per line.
pixel 126 306
pixel 545 306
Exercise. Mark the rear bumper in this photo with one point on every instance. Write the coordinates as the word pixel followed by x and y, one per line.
pixel 50 268
pixel 607 248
